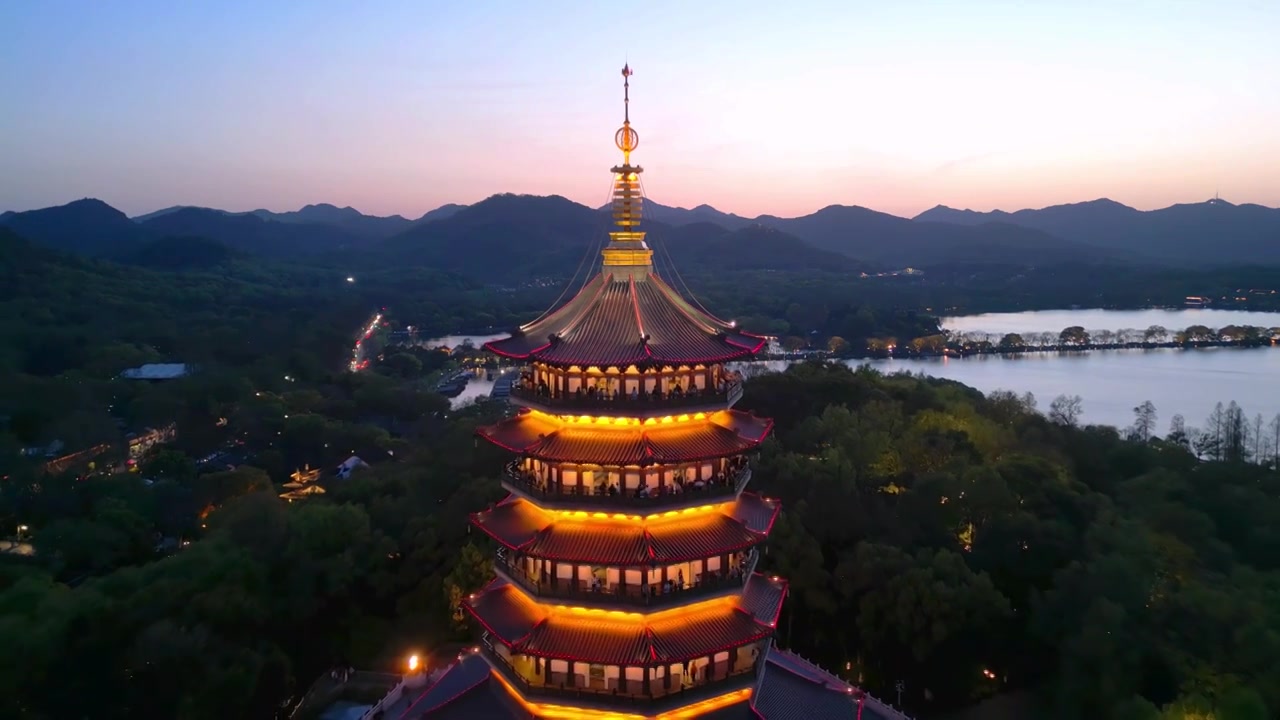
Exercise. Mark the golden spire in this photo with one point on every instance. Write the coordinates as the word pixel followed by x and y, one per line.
pixel 627 247
pixel 626 138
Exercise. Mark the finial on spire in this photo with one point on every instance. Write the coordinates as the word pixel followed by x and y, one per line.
pixel 626 139
pixel 626 93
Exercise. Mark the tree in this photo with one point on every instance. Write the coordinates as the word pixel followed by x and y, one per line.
pixel 1074 335
pixel 404 364
pixel 1178 432
pixel 1235 434
pixel 1274 431
pixel 1066 410
pixel 1144 423
pixel 1012 341
pixel 470 572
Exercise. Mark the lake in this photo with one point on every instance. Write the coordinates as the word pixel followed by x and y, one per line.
pixel 1111 382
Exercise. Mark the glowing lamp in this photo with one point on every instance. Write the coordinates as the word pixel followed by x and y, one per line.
pixel 413 663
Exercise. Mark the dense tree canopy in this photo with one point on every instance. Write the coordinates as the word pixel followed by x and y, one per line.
pixel 935 536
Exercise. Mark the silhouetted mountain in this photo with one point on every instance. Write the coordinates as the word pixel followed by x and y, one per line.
pixel 250 233
pixel 944 214
pixel 440 213
pixel 166 211
pixel 503 237
pixel 701 247
pixel 1214 232
pixel 180 253
pixel 677 216
pixel 347 218
pixel 510 237
pixel 88 227
pixel 892 241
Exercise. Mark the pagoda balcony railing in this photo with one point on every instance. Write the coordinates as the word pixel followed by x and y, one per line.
pixel 626 404
pixel 622 693
pixel 671 593
pixel 575 497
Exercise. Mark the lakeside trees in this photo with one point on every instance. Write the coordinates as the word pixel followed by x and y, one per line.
pixel 1077 337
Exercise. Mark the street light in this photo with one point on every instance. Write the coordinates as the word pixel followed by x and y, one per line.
pixel 413 663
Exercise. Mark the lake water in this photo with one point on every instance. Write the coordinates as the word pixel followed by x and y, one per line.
pixel 451 341
pixel 1111 382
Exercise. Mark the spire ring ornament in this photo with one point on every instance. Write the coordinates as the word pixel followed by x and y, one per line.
pixel 626 139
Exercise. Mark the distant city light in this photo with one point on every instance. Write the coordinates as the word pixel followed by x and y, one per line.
pixel 350 279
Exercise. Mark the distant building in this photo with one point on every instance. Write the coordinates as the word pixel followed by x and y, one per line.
pixel 305 475
pixel 349 466
pixel 301 491
pixel 156 371
pixel 141 443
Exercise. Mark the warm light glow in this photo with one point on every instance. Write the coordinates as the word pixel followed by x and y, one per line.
pixel 605 520
pixel 622 422
pixel 560 712
pixel 413 663
pixel 691 611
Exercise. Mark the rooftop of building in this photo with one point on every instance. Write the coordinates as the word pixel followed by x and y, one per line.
pixel 789 688
pixel 156 371
pixel 628 639
pixel 547 437
pixel 602 539
pixel 621 320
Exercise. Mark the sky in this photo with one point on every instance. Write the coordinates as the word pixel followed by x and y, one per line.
pixel 752 107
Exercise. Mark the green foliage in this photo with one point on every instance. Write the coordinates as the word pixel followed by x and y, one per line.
pixel 968 546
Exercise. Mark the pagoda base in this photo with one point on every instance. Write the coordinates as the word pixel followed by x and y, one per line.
pixel 659 701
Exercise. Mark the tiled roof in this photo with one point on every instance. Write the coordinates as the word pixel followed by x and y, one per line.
pixel 673 636
pixel 522 526
pixel 784 696
pixel 505 611
pixel 465 690
pixel 791 688
pixel 621 321
pixel 720 434
pixel 762 597
pixel 756 512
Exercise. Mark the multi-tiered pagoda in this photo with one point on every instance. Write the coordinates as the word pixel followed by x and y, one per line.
pixel 626 550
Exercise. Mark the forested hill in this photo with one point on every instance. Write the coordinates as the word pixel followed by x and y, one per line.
pixel 514 237
pixel 1213 232
pixel 935 535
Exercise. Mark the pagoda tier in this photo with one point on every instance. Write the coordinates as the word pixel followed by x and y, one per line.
pixel 620 541
pixel 618 639
pixel 624 441
pixel 628 319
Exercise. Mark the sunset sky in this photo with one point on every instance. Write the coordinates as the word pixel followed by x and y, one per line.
pixel 753 107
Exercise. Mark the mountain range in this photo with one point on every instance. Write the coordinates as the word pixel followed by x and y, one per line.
pixel 509 236
pixel 1213 232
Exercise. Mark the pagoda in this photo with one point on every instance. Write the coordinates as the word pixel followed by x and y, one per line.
pixel 626 549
